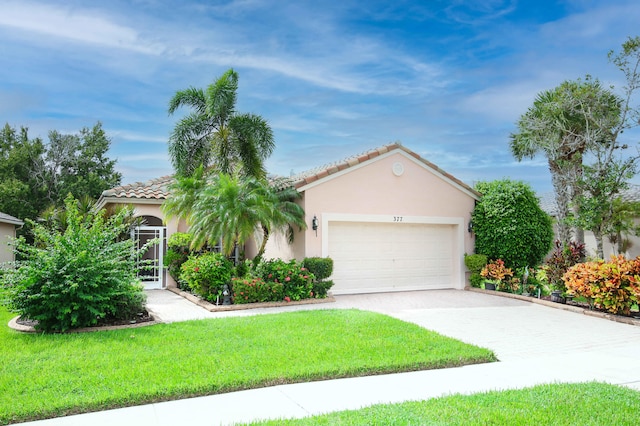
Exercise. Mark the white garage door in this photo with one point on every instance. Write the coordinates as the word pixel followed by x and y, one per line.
pixel 375 257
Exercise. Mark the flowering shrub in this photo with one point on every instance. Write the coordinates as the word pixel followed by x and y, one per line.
pixel 297 281
pixel 206 275
pixel 612 286
pixel 254 290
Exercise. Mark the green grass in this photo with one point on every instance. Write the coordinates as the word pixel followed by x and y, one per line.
pixel 557 404
pixel 51 375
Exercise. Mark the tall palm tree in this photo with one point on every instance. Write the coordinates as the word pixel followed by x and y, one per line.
pixel 214 134
pixel 562 124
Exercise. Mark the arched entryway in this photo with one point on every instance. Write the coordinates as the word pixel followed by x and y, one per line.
pixel 152 272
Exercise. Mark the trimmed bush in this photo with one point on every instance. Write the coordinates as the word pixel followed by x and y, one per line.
pixel 510 225
pixel 77 277
pixel 321 268
pixel 475 263
pixel 206 275
pixel 612 286
pixel 178 251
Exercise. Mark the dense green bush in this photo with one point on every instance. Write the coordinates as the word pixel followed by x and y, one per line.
pixel 475 263
pixel 178 251
pixel 321 268
pixel 510 225
pixel 297 280
pixel 77 277
pixel 206 275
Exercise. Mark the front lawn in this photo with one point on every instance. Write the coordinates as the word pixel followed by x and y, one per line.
pixel 555 404
pixel 52 375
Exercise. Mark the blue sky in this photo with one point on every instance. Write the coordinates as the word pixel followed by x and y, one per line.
pixel 448 79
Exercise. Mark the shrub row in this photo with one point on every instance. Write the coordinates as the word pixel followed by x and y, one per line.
pixel 206 275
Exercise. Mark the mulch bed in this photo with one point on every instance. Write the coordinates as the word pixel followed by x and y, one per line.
pixel 143 318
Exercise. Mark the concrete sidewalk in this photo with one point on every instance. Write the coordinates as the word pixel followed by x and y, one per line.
pixel 535 344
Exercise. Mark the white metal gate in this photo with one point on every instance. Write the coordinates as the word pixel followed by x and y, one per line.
pixel 151 272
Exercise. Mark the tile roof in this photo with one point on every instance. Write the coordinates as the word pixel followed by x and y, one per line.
pixel 156 189
pixel 6 218
pixel 318 173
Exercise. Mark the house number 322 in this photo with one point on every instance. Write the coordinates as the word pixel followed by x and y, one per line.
pixel 397 218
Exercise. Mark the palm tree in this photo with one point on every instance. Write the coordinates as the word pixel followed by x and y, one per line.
pixel 215 134
pixel 562 124
pixel 231 209
pixel 285 214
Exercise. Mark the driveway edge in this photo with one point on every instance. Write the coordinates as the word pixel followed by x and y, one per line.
pixel 561 306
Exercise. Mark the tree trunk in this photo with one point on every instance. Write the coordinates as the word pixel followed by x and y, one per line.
pixel 599 244
pixel 263 246
pixel 562 203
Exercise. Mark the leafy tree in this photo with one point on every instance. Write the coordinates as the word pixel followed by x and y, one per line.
pixel 510 225
pixel 76 164
pixel 79 276
pixel 34 175
pixel 610 168
pixel 623 224
pixel 215 134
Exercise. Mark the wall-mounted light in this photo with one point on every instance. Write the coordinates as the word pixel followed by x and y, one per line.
pixel 470 226
pixel 314 224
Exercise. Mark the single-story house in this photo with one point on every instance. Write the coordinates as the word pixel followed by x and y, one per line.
pixel 8 225
pixel 389 219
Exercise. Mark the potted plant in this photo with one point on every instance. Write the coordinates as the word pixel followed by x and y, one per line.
pixel 496 274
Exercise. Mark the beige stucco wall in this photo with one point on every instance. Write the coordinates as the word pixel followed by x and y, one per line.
pixel 373 189
pixel 7 231
pixel 372 192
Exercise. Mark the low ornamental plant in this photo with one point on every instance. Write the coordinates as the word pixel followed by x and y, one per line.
pixel 256 290
pixel 561 259
pixel 321 268
pixel 612 286
pixel 496 272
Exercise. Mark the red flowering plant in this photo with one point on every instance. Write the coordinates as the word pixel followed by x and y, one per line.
pixel 297 282
pixel 612 286
pixel 255 290
pixel 496 272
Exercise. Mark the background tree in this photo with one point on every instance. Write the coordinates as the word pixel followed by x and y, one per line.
pixel 34 175
pixel 20 194
pixel 623 224
pixel 510 225
pixel 214 134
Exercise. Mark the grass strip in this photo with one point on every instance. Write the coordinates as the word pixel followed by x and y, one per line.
pixel 554 404
pixel 52 375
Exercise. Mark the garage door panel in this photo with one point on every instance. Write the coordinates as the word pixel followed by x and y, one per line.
pixel 388 256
